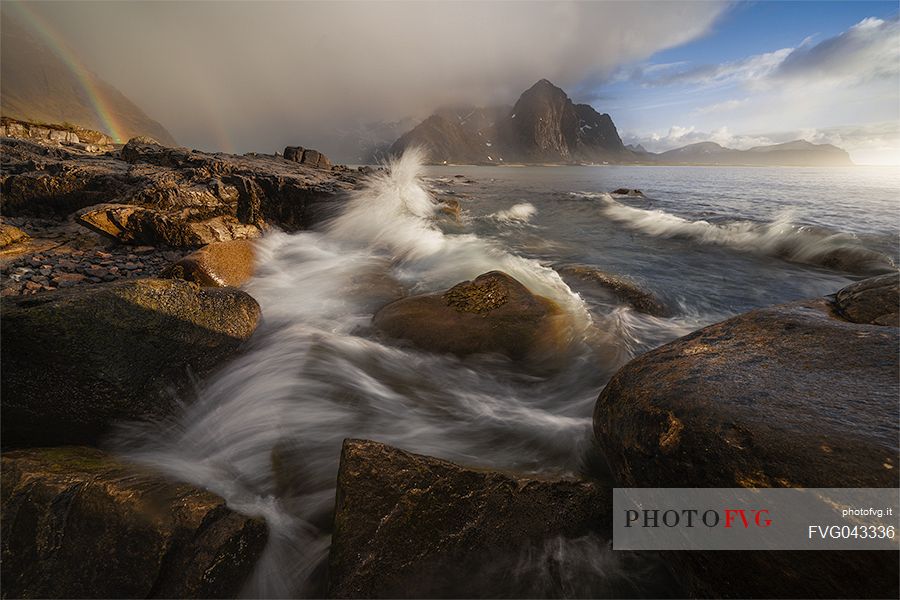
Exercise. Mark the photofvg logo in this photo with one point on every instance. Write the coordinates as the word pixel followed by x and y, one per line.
pixel 692 517
pixel 756 519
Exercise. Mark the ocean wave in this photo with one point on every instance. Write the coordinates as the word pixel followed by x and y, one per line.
pixel 521 213
pixel 780 238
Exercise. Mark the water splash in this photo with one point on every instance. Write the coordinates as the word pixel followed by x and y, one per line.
pixel 266 432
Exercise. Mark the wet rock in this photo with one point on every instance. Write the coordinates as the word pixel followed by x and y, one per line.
pixel 78 523
pixel 875 300
pixel 216 265
pixel 628 192
pixel 174 196
pixel 493 313
pixel 76 361
pixel 407 525
pixel 135 225
pixel 621 287
pixel 450 207
pixel 787 396
pixel 10 235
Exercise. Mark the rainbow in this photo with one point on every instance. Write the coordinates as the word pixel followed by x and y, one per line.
pixel 84 77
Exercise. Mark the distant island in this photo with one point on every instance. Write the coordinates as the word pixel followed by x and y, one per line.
pixel 545 127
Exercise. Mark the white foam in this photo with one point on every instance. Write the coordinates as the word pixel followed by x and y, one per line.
pixel 780 238
pixel 517 212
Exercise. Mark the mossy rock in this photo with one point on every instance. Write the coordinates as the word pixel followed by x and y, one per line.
pixel 492 314
pixel 76 361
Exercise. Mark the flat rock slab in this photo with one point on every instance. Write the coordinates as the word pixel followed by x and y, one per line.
pixel 787 396
pixel 76 361
pixel 407 525
pixel 79 524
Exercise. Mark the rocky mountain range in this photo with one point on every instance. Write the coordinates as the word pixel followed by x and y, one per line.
pixel 798 153
pixel 39 87
pixel 546 127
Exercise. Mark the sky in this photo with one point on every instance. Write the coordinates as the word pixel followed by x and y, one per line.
pixel 769 72
pixel 256 76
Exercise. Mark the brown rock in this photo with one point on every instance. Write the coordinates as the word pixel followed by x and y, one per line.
pixel 10 235
pixel 875 300
pixel 78 523
pixel 137 147
pixel 788 396
pixel 176 196
pixel 130 224
pixel 493 313
pixel 306 156
pixel 621 287
pixel 219 264
pixel 76 361
pixel 450 207
pixel 413 526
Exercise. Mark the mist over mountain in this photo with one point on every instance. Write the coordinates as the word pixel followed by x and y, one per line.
pixel 39 86
pixel 546 127
pixel 798 153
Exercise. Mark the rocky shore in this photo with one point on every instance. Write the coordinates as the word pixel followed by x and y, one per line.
pixel 122 269
pixel 120 266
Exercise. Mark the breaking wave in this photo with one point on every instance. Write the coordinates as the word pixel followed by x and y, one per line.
pixel 780 238
pixel 517 212
pixel 266 432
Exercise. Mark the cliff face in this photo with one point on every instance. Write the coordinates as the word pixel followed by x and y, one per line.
pixel 39 87
pixel 544 126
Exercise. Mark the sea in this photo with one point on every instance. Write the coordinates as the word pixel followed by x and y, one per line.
pixel 265 432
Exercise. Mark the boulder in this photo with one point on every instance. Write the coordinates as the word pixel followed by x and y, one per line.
pixel 787 396
pixel 78 523
pixel 306 156
pixel 450 207
pixel 413 526
pixel 76 361
pixel 220 264
pixel 873 300
pixel 622 288
pixel 493 313
pixel 628 192
pixel 138 147
pixel 10 235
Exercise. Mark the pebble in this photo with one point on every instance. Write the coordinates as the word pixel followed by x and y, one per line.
pixel 66 267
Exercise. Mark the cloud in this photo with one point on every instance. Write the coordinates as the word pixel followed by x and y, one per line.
pixel 720 107
pixel 263 74
pixel 872 143
pixel 678 136
pixel 868 50
pixel 747 69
